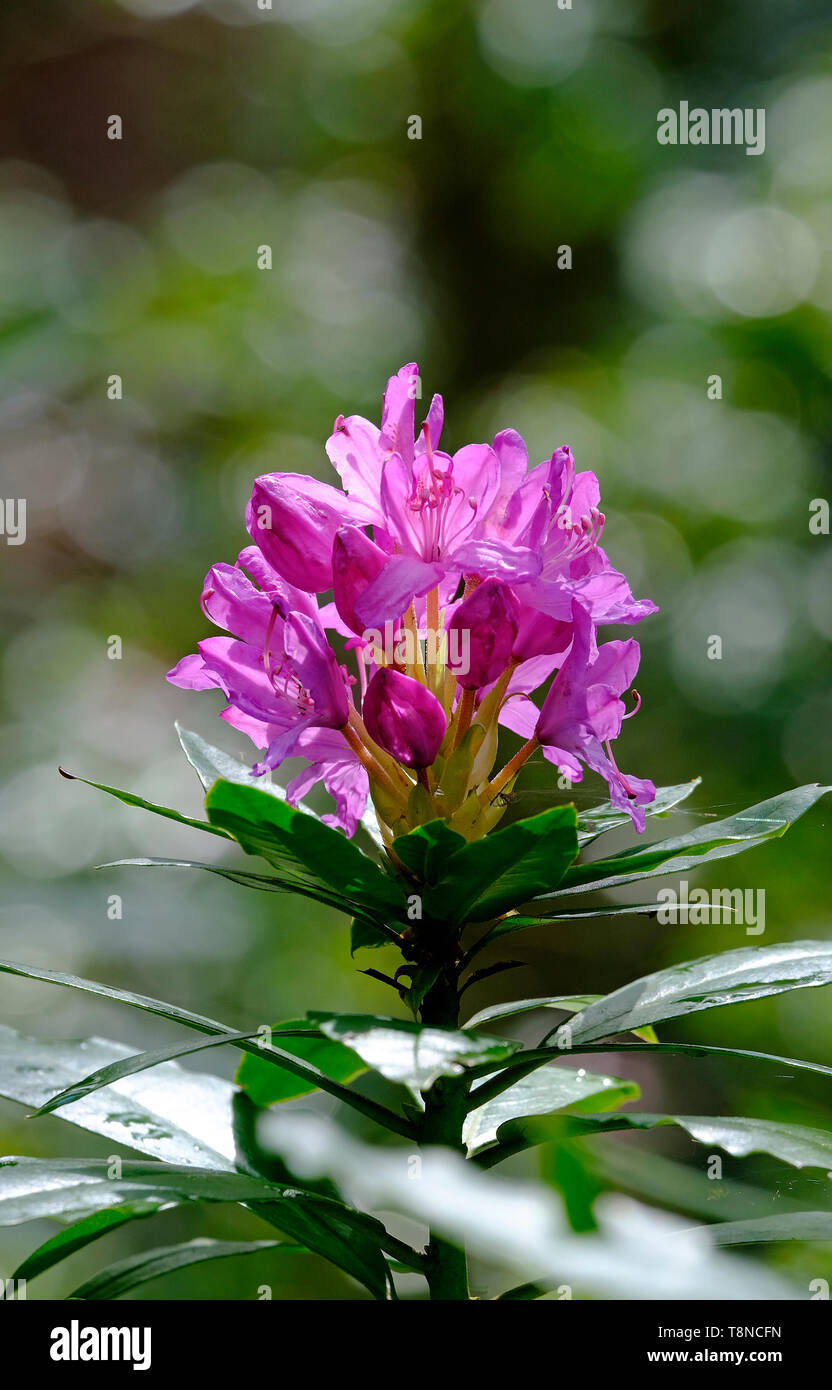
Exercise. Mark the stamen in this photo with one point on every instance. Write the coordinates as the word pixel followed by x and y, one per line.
pixel 429 449
pixel 266 644
pixel 635 696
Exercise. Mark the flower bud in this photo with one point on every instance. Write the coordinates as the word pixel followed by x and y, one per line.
pixel 404 718
pixel 481 635
pixel 293 520
pixel 356 561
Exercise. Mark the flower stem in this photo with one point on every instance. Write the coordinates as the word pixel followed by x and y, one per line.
pixel 464 715
pixel 510 770
pixel 373 766
pixel 446 1104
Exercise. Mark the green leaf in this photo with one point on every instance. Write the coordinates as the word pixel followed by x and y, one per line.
pixel 546 1090
pixel 135 1270
pixel 426 850
pixel 422 980
pixel 717 840
pixel 599 819
pixel 211 763
pixel 178 1116
pixel 129 799
pixel 201 1024
pixel 528 1060
pixel 567 1003
pixel 797 1145
pixel 679 1187
pixel 308 853
pixel 32 1188
pixel 751 972
pixel 802 1225
pixel 411 1054
pixel 266 1084
pixel 474 882
pixel 571 914
pixel 524 1293
pixel 82 1233
pixel 364 932
pixel 131 1066
pixel 252 1158
pixel 570 1003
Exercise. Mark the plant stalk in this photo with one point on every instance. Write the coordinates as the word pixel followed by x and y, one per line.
pixel 446 1104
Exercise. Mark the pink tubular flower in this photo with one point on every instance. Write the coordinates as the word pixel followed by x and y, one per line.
pixel 281 678
pixel 404 718
pixel 582 713
pixel 502 559
pixel 358 449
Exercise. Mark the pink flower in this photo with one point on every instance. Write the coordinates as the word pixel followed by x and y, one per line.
pixel 413 529
pixel 280 676
pixel 404 718
pixel 293 520
pixel 583 713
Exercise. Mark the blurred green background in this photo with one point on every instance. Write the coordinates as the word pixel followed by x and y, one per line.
pixel 288 127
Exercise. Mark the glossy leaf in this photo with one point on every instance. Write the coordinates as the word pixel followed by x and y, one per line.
pixel 211 763
pixel 266 1084
pixel 757 1230
pixel 528 1060
pixel 474 882
pixel 82 1233
pixel 798 1145
pixel 549 1089
pixel 136 1270
pixel 263 882
pixel 680 1187
pixel 426 850
pixel 130 1066
pixel 566 1003
pixel 599 819
pixel 178 1116
pixel 570 1003
pixel 304 850
pixel 716 840
pixel 130 799
pixel 411 1054
pixel 210 1026
pixel 32 1188
pixel 751 972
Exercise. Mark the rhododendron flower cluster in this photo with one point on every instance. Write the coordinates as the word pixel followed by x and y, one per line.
pixel 383 630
